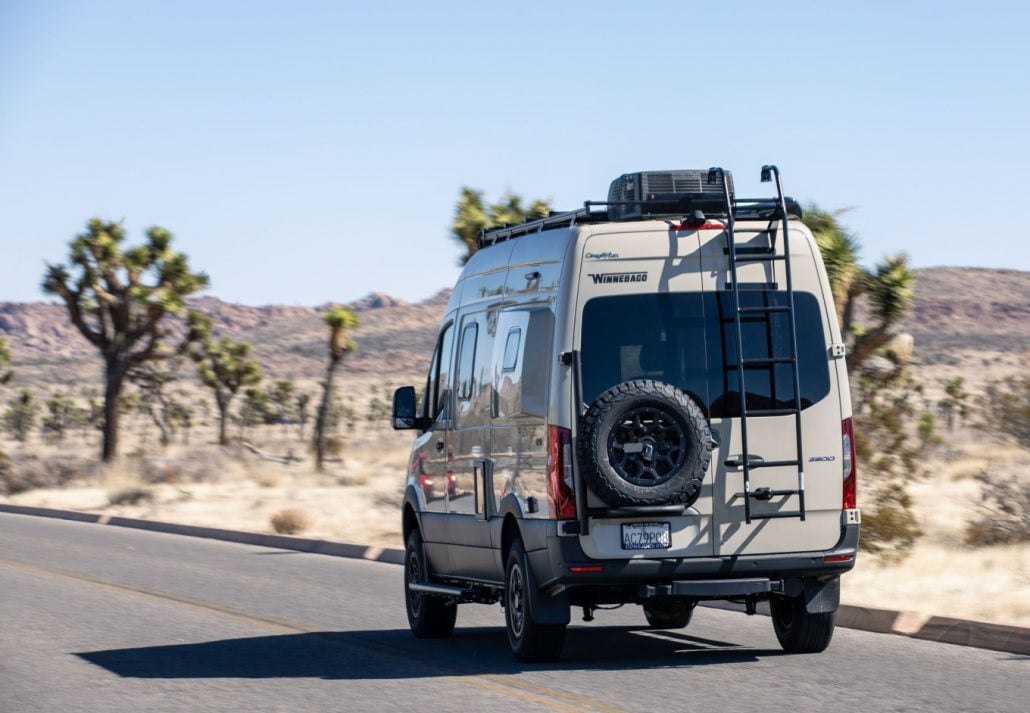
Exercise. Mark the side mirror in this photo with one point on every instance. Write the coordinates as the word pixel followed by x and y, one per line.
pixel 404 410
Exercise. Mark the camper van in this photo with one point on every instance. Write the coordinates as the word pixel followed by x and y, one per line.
pixel 643 401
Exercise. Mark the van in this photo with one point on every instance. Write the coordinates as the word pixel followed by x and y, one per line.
pixel 643 401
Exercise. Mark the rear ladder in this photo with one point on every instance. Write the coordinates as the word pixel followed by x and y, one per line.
pixel 744 364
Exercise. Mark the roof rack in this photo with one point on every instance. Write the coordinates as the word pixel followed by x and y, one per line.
pixel 664 207
pixel 566 219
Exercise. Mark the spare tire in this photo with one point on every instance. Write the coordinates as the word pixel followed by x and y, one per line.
pixel 645 442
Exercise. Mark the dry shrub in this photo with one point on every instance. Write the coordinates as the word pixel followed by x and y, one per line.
pixel 1004 517
pixel 291 521
pixel 192 467
pixel 27 471
pixel 266 478
pixel 333 446
pixel 130 496
pixel 6 471
pixel 353 479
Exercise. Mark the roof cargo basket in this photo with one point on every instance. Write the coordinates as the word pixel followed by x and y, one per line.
pixel 633 196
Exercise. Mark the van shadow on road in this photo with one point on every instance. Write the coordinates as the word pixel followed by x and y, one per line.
pixel 394 654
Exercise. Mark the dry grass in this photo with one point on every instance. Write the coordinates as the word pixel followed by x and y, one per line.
pixel 290 521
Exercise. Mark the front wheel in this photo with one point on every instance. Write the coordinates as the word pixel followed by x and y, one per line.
pixel 429 617
pixel 530 642
pixel 798 631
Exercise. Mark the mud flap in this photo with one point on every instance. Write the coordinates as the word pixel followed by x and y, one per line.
pixel 822 597
pixel 545 609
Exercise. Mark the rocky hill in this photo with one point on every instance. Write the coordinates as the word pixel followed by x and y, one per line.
pixel 958 312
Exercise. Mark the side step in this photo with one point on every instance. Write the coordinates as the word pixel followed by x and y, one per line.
pixel 481 593
pixel 440 590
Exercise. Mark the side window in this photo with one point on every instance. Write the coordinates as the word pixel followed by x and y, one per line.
pixel 511 349
pixel 435 398
pixel 466 361
pixel 442 402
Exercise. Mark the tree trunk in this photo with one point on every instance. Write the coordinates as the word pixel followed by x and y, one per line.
pixel 223 401
pixel 114 377
pixel 322 421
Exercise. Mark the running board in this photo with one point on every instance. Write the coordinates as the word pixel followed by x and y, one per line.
pixel 440 590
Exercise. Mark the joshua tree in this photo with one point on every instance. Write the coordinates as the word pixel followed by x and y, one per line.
pixel 303 412
pixel 224 366
pixel 58 416
pixel 6 374
pixel 118 298
pixel 152 380
pixel 281 396
pixel 20 417
pixel 889 287
pixel 471 216
pixel 341 321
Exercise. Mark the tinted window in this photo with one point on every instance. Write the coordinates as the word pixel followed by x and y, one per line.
pixel 687 339
pixel 511 349
pixel 466 360
pixel 436 395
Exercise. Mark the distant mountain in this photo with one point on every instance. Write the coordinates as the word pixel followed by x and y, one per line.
pixel 955 309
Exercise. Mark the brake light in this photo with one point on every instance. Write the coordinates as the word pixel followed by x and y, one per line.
pixel 561 492
pixel 850 467
pixel 702 226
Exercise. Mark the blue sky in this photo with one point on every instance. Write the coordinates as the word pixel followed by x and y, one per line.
pixel 309 152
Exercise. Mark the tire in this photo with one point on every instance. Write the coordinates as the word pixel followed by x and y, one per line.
pixel 645 442
pixel 798 631
pixel 530 642
pixel 429 617
pixel 669 614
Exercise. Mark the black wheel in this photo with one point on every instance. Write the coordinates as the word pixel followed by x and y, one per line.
pixel 429 617
pixel 798 631
pixel 530 642
pixel 645 443
pixel 669 613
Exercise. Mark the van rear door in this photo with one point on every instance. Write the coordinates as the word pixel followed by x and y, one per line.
pixel 639 317
pixel 773 438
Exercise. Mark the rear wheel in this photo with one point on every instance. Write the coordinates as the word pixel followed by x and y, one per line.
pixel 798 631
pixel 530 642
pixel 669 613
pixel 429 617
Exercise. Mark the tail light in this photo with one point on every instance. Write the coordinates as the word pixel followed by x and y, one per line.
pixel 850 467
pixel 561 491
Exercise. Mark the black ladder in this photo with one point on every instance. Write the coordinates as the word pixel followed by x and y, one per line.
pixel 746 254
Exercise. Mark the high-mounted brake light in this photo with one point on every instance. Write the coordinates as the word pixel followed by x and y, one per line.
pixel 561 491
pixel 702 226
pixel 850 467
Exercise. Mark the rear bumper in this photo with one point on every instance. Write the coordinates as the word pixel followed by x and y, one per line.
pixel 555 563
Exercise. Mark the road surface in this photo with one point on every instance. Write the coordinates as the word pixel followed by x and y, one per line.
pixel 97 618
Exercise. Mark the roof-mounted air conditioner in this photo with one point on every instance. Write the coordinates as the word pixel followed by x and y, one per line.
pixel 633 196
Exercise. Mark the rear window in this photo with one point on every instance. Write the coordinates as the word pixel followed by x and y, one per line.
pixel 687 339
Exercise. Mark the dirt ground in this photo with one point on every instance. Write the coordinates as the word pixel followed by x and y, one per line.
pixel 357 499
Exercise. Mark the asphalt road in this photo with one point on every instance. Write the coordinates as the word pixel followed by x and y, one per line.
pixel 111 619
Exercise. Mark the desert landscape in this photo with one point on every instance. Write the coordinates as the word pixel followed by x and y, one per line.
pixel 972 324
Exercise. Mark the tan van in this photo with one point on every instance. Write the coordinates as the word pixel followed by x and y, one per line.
pixel 643 401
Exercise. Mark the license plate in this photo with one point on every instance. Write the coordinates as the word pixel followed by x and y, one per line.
pixel 646 536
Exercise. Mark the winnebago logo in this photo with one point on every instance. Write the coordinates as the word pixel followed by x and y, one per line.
pixel 605 278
